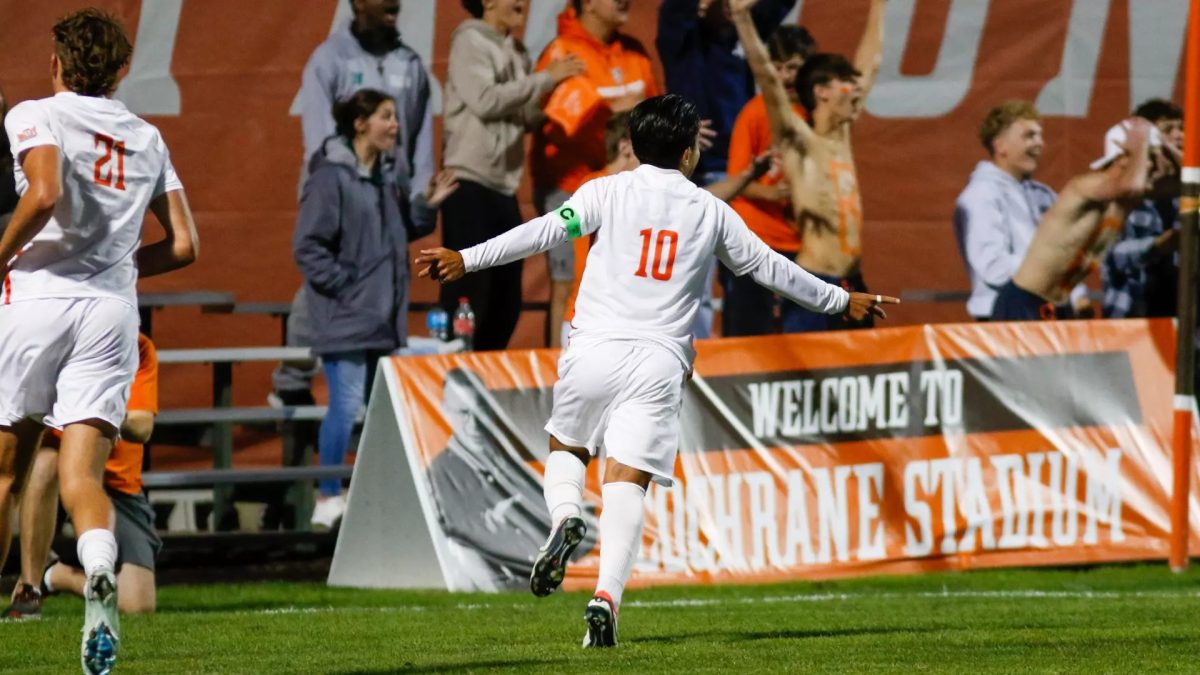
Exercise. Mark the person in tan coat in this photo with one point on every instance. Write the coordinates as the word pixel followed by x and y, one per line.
pixel 492 99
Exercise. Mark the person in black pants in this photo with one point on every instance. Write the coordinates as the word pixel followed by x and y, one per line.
pixel 492 98
pixel 472 215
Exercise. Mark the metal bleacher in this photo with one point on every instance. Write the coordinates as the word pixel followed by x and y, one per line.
pixel 215 425
pixel 297 424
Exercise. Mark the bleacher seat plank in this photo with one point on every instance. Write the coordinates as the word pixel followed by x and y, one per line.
pixel 233 354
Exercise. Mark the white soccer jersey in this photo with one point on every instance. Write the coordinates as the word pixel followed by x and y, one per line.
pixel 113 165
pixel 654 235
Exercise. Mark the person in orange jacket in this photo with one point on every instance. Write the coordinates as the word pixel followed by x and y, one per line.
pixel 570 144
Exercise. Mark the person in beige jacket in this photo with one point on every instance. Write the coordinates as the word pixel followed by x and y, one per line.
pixel 492 99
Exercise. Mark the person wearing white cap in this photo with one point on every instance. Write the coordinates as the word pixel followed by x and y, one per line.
pixel 1139 273
pixel 1076 233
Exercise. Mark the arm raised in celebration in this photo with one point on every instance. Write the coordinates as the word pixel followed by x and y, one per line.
pixel 786 125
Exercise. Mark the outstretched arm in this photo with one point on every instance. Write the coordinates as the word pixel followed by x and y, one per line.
pixel 577 218
pixel 540 234
pixel 870 49
pixel 744 253
pixel 786 125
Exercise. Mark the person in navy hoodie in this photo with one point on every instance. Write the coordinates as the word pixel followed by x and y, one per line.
pixel 703 61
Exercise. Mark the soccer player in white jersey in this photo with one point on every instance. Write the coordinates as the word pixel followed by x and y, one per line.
pixel 630 351
pixel 87 170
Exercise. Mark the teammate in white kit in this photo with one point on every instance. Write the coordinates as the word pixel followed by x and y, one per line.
pixel 630 351
pixel 86 169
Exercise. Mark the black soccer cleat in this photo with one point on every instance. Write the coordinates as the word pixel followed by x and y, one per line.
pixel 601 618
pixel 551 564
pixel 26 604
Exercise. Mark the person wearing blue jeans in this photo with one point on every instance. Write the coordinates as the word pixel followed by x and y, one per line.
pixel 349 376
pixel 351 245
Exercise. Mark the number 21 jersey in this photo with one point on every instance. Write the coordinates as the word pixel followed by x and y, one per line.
pixel 113 164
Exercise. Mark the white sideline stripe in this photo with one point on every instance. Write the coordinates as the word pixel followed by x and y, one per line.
pixel 711 602
pixel 952 595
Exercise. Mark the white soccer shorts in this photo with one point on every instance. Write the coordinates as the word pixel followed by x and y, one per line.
pixel 67 360
pixel 624 397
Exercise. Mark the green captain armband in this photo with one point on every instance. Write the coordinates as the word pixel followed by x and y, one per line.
pixel 570 221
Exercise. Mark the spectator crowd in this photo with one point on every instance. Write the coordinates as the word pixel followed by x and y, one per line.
pixel 370 184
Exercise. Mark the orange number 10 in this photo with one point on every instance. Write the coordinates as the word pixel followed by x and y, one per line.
pixel 103 174
pixel 660 269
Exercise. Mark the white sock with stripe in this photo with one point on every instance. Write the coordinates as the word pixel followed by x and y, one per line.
pixel 621 518
pixel 562 485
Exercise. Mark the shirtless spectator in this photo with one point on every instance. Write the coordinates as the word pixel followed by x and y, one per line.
pixel 1076 233
pixel 817 160
pixel 749 309
pixel 570 144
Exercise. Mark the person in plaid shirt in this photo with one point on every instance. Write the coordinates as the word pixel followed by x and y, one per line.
pixel 1139 272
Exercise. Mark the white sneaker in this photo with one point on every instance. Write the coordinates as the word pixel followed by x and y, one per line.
pixel 328 512
pixel 98 649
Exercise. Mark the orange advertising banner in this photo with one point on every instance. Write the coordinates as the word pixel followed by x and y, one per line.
pixel 812 456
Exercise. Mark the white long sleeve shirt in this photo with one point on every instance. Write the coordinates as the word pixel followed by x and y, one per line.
pixel 654 235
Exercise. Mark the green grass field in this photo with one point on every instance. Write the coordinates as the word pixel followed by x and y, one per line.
pixel 1111 619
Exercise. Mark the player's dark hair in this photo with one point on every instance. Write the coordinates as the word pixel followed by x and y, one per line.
pixel 577 5
pixel 1157 110
pixel 361 105
pixel 788 41
pixel 820 69
pixel 661 128
pixel 92 47
pixel 473 7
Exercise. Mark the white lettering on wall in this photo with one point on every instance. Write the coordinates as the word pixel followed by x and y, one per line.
pixel 150 88
pixel 940 91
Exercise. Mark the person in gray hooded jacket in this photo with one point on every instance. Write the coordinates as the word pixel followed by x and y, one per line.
pixel 365 52
pixel 351 244
pixel 492 99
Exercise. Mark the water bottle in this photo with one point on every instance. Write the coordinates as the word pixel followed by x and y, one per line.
pixel 464 324
pixel 438 323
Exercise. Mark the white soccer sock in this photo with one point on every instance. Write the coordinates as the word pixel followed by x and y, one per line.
pixel 97 549
pixel 562 485
pixel 621 520
pixel 46 579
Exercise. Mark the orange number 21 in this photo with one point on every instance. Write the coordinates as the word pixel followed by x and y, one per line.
pixel 104 174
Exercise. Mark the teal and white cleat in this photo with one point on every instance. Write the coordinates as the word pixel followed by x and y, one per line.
pixel 98 650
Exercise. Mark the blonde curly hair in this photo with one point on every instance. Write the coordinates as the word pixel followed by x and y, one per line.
pixel 1002 117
